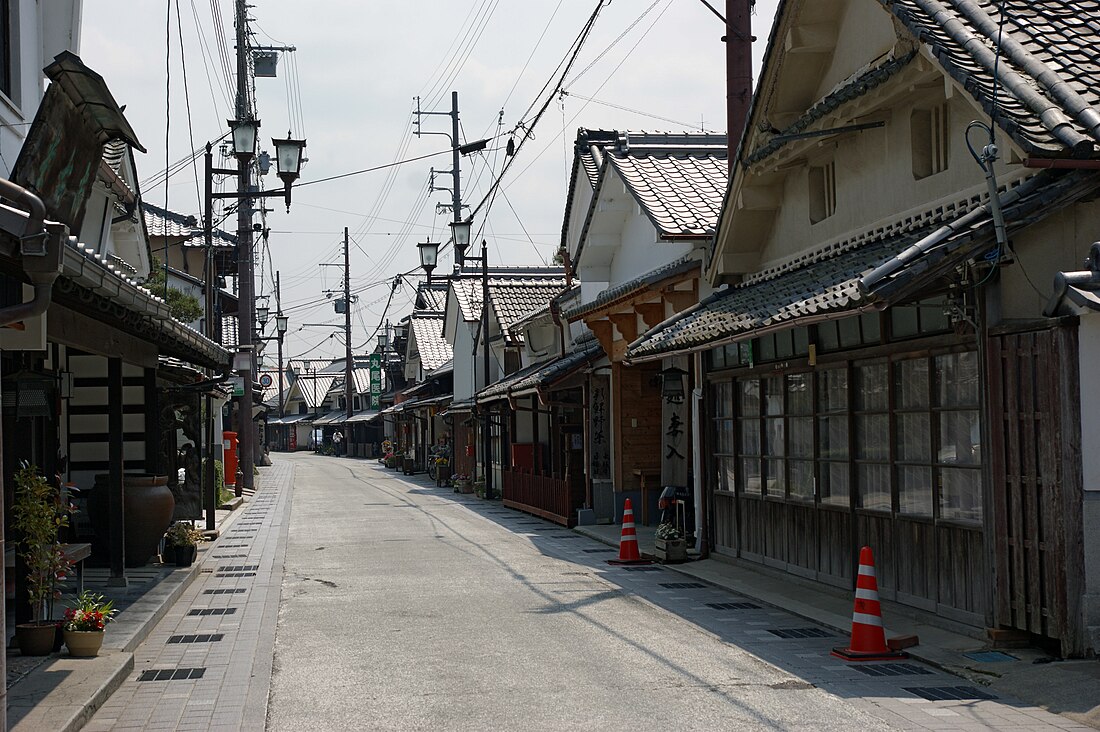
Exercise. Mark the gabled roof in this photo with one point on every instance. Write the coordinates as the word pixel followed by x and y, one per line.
pixel 431 297
pixel 869 271
pixel 1048 100
pixel 427 329
pixel 543 375
pixel 313 388
pixel 512 294
pixel 678 268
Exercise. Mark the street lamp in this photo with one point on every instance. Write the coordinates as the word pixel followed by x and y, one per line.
pixel 288 155
pixel 262 312
pixel 460 230
pixel 429 252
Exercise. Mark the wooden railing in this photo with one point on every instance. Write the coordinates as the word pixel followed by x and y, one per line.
pixel 542 495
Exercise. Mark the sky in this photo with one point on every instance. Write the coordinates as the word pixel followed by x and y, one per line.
pixel 349 89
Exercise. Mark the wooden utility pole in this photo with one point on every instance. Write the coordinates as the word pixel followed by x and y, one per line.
pixel 348 367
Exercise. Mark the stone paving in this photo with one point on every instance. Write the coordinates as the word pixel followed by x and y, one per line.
pixel 207 665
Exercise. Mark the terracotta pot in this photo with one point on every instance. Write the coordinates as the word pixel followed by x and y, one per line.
pixel 83 643
pixel 36 639
pixel 148 506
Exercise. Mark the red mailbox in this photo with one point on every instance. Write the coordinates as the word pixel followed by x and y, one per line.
pixel 229 463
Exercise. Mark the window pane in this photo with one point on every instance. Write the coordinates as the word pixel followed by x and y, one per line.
pixel 802 480
pixel 750 436
pixel 726 474
pixel 750 476
pixel 915 491
pixel 832 390
pixel 731 354
pixel 957 380
pixel 723 399
pixel 800 394
pixel 849 332
pixel 903 321
pixel 773 391
pixel 874 487
pixel 784 344
pixel 827 336
pixel 960 494
pixel 872 328
pixel 773 437
pixel 933 319
pixel 801 341
pixel 767 347
pixel 911 383
pixel 801 437
pixel 776 480
pixel 834 483
pixel 723 436
pixel 872 437
pixel 914 437
pixel 744 351
pixel 833 436
pixel 718 357
pixel 959 438
pixel 871 388
pixel 750 397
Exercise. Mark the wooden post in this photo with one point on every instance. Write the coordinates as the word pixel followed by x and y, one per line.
pixel 115 492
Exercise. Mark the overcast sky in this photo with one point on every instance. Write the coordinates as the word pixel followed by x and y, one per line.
pixel 357 67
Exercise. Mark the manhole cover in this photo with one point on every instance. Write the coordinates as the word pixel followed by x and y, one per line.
pixel 238 568
pixel 235 574
pixel 733 606
pixel 948 693
pixel 800 633
pixel 225 591
pixel 171 674
pixel 199 638
pixel 893 669
pixel 204 611
pixel 683 585
pixel 990 657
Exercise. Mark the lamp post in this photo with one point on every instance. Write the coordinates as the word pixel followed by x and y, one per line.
pixel 288 155
pixel 460 230
pixel 429 253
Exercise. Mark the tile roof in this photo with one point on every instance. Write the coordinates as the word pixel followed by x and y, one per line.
pixel 1048 99
pixel 512 297
pixel 162 222
pixel 114 152
pixel 681 193
pixel 427 329
pixel 229 332
pixel 361 380
pixel 848 276
pixel 544 374
pixel 314 388
pixel 681 266
pixel 432 298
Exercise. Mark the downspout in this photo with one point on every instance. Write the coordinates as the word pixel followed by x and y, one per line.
pixel 697 464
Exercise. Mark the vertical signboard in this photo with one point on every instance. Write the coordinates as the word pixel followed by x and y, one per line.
pixel 375 380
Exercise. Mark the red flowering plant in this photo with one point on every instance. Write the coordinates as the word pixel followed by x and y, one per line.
pixel 89 612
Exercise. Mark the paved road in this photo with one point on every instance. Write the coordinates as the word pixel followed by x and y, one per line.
pixel 408 607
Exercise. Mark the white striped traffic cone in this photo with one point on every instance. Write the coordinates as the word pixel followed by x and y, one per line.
pixel 868 637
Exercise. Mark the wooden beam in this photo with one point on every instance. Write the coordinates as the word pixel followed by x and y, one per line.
pixel 116 523
pixel 602 330
pixel 627 323
pixel 75 329
pixel 681 299
pixel 651 313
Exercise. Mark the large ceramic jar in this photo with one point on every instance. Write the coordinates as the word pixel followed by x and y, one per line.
pixel 147 509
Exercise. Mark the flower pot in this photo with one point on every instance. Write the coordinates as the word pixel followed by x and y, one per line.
pixel 83 643
pixel 36 639
pixel 670 550
pixel 183 556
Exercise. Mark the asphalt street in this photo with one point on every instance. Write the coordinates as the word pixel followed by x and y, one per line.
pixel 346 597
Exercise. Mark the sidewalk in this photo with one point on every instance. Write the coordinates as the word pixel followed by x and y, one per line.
pixel 1069 688
pixel 61 693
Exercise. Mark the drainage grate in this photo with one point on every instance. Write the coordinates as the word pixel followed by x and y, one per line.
pixel 642 569
pixel 564 536
pixel 990 657
pixel 238 568
pixel 229 556
pixel 171 674
pixel 233 546
pixel 598 551
pixel 733 606
pixel 235 574
pixel 893 669
pixel 800 633
pixel 200 638
pixel 682 585
pixel 213 611
pixel 225 591
pixel 948 693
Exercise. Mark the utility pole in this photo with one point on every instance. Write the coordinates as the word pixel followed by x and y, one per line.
pixel 279 311
pixel 210 483
pixel 456 177
pixel 348 368
pixel 246 312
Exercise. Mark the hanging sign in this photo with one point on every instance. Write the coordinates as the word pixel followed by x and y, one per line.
pixel 375 380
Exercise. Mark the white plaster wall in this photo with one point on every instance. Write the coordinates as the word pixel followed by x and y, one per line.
pixel 1089 356
pixel 463 363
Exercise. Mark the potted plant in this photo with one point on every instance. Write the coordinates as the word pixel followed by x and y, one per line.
pixel 479 487
pixel 37 515
pixel 461 483
pixel 669 543
pixel 85 621
pixel 182 543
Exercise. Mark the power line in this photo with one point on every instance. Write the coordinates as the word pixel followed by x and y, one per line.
pixel 371 170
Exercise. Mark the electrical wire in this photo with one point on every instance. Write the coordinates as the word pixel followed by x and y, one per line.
pixel 187 101
pixel 686 125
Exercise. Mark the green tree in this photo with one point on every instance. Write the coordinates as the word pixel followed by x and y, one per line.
pixel 183 307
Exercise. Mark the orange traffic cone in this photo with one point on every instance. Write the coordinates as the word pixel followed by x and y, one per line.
pixel 868 637
pixel 628 540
